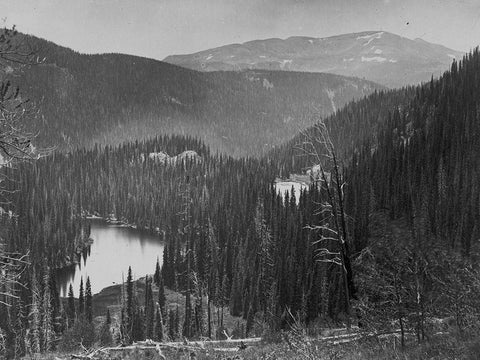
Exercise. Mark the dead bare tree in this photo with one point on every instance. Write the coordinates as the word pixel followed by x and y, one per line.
pixel 15 143
pixel 326 169
pixel 15 111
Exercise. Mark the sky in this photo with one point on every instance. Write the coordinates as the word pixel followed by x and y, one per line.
pixel 157 28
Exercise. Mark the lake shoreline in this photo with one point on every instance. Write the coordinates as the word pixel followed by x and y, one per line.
pixel 74 259
pixel 113 248
pixel 112 220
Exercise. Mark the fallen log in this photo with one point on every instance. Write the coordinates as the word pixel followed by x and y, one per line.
pixel 186 346
pixel 225 349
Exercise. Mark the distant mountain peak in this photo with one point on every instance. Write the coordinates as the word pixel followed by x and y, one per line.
pixel 375 55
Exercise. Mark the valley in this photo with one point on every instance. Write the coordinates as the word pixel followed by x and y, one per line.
pixel 131 98
pixel 286 203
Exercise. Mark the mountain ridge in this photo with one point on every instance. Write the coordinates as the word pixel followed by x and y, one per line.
pixel 379 56
pixel 112 98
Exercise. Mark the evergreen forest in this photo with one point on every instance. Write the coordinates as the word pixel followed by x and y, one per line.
pixel 383 237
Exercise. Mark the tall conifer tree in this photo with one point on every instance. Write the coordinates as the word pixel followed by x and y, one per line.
pixel 81 300
pixel 88 301
pixel 70 307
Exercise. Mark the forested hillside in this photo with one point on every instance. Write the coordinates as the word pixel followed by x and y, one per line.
pixel 349 128
pixel 424 164
pixel 221 219
pixel 410 184
pixel 409 151
pixel 385 238
pixel 111 98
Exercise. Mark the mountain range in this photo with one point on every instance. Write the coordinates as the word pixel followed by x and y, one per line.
pixel 379 56
pixel 112 98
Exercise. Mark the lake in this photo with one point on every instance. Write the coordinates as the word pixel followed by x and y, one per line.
pixel 283 187
pixel 114 249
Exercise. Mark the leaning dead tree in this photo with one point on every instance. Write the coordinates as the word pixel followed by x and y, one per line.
pixel 326 169
pixel 15 145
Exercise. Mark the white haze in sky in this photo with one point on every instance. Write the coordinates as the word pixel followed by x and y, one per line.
pixel 157 28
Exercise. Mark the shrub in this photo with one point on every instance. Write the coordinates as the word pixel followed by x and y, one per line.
pixel 81 334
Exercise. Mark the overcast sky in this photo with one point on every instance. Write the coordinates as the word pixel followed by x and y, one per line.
pixel 157 28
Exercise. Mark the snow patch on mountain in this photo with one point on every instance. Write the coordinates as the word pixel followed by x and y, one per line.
pixel 331 96
pixel 378 51
pixel 210 56
pixel 373 58
pixel 370 38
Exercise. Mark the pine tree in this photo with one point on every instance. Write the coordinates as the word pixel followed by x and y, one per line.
pixel 105 333
pixel 70 307
pixel 187 324
pixel 236 292
pixel 138 324
pixel 173 323
pixel 250 319
pixel 47 332
pixel 149 309
pixel 81 300
pixel 123 331
pixel 198 323
pixel 88 301
pixel 55 303
pixel 177 321
pixel 128 310
pixel 35 316
pixel 157 275
pixel 158 325
pixel 161 297
pixel 19 328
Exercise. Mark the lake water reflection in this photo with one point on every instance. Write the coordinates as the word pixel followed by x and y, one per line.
pixel 114 249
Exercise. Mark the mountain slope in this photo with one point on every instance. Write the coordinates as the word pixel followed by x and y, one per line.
pixel 424 165
pixel 378 56
pixel 110 98
pixel 412 154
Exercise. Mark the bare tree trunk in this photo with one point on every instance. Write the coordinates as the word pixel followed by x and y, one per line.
pixel 341 229
pixel 334 188
pixel 221 318
pixel 417 288
pixel 399 312
pixel 209 319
